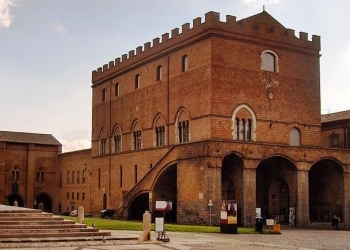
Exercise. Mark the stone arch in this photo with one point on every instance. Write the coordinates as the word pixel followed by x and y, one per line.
pixel 276 187
pixel 43 201
pixel 165 189
pixel 138 206
pixel 232 182
pixel 10 199
pixel 246 113
pixel 326 190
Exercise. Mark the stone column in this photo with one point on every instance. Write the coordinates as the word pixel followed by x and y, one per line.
pixel 249 196
pixel 146 226
pixel 302 210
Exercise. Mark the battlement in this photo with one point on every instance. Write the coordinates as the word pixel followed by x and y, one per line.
pixel 260 26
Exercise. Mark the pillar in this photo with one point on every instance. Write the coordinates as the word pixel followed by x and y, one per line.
pixel 249 196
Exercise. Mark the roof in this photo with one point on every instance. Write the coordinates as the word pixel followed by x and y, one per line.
pixel 338 116
pixel 264 18
pixel 22 137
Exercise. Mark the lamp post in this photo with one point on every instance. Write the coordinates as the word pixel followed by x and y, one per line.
pixel 210 204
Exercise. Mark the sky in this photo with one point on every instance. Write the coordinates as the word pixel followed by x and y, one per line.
pixel 48 49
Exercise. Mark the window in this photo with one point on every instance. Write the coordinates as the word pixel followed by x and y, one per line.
pixel 294 137
pixel 103 142
pixel 160 136
pixel 67 195
pixel 73 177
pixel 116 89
pixel 183 128
pixel 60 179
pixel 137 81
pixel 104 95
pixel 137 139
pixel 40 175
pixel 15 174
pixel 117 143
pixel 68 177
pixel 72 196
pixel 84 176
pixel 243 126
pixel 159 73
pixel 269 61
pixel 78 176
pixel 83 196
pixel 184 63
pixel 121 176
pixel 334 140
pixel 78 196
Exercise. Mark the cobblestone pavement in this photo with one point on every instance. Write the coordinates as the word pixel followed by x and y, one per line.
pixel 287 240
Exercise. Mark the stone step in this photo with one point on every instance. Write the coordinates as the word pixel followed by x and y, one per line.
pixel 22 214
pixel 47 230
pixel 34 222
pixel 36 218
pixel 54 234
pixel 43 226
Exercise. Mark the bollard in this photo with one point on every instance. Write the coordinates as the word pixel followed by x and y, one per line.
pixel 146 226
pixel 15 204
pixel 80 214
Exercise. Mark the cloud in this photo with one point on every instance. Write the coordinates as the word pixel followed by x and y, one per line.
pixel 261 1
pixel 58 26
pixel 5 13
pixel 69 146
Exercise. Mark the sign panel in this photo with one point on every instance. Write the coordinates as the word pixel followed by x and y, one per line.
pixel 159 224
pixel 228 212
pixel 165 206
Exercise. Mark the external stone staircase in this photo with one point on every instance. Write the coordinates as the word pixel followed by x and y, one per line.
pixel 18 224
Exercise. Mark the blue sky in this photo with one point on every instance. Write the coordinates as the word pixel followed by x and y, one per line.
pixel 48 49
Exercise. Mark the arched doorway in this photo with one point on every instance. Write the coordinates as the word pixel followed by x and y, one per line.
pixel 326 191
pixel 165 189
pixel 276 188
pixel 138 207
pixel 232 182
pixel 44 202
pixel 12 198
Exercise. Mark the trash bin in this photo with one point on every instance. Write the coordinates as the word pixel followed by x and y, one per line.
pixel 258 224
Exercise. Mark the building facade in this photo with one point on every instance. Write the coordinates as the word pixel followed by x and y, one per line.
pixel 219 110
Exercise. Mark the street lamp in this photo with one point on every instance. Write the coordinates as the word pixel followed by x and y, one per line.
pixel 210 204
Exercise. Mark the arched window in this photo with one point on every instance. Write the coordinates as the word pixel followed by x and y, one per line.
pixel 294 137
pixel 117 140
pixel 159 131
pixel 137 135
pixel 40 175
pixel 243 126
pixel 183 126
pixel 68 177
pixel 103 142
pixel 184 63
pixel 137 81
pixel 269 61
pixel 159 73
pixel 15 174
pixel 116 89
pixel 104 95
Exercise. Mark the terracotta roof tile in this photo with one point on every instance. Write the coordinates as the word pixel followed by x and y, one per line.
pixel 22 137
pixel 342 115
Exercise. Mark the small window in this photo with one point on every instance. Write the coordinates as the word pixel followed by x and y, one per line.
pixel 184 63
pixel 103 146
pixel 15 174
pixel 68 177
pixel 137 139
pixel 40 176
pixel 78 176
pixel 334 140
pixel 116 89
pixel 184 131
pixel 159 73
pixel 104 95
pixel 160 136
pixel 294 137
pixel 137 81
pixel 73 177
pixel 269 62
pixel 67 195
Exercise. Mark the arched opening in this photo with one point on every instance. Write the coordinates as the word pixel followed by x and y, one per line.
pixel 138 207
pixel 12 198
pixel 44 202
pixel 232 182
pixel 165 189
pixel 326 191
pixel 276 189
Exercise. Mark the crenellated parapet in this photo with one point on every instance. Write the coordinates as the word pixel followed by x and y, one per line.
pixel 261 27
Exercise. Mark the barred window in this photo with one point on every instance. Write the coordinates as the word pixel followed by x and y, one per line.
pixel 183 128
pixel 160 136
pixel 137 139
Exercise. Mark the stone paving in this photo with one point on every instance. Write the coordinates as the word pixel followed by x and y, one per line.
pixel 288 239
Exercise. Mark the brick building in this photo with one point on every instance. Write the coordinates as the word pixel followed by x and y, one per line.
pixel 219 110
pixel 28 164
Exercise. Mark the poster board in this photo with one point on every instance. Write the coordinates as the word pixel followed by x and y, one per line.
pixel 164 206
pixel 159 224
pixel 228 214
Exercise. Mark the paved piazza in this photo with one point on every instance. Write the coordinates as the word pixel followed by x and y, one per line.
pixel 289 239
